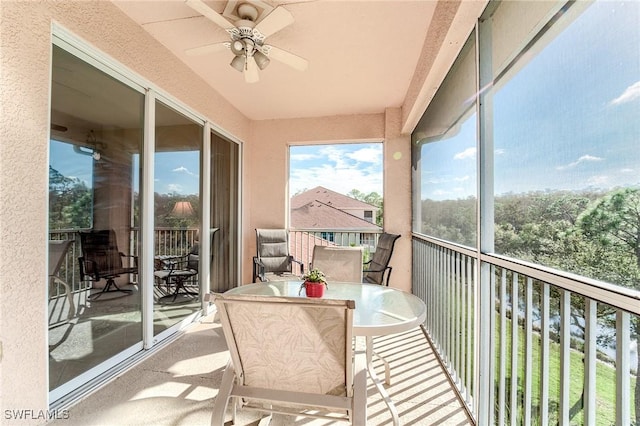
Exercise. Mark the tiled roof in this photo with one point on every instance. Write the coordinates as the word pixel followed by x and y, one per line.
pixel 330 198
pixel 318 215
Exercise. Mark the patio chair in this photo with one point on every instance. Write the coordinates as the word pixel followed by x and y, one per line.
pixel 273 261
pixel 57 254
pixel 292 356
pixel 339 264
pixel 176 271
pixel 101 259
pixel 377 270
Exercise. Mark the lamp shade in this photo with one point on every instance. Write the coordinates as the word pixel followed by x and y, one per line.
pixel 261 59
pixel 182 209
pixel 238 63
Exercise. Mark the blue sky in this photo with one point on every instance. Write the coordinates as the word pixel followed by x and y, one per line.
pixel 176 172
pixel 339 167
pixel 579 127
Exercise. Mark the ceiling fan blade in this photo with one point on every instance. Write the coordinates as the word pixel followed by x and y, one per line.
pixel 294 61
pixel 203 9
pixel 275 21
pixel 251 74
pixel 207 48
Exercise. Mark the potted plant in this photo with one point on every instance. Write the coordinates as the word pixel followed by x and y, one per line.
pixel 314 283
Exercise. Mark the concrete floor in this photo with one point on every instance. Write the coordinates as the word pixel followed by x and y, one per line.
pixel 177 386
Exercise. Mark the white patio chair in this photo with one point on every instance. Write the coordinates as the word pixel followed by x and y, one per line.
pixel 291 356
pixel 339 264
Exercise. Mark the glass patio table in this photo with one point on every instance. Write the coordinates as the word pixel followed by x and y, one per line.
pixel 379 311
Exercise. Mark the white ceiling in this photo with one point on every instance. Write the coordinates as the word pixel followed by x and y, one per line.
pixel 362 54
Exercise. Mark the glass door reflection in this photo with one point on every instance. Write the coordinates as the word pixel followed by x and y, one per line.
pixel 177 207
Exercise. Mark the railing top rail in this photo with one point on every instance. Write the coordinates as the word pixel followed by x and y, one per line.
pixel 620 297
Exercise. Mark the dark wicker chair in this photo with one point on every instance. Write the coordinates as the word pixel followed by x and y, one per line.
pixel 101 259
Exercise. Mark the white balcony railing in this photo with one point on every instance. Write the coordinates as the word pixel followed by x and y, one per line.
pixel 525 344
pixel 302 241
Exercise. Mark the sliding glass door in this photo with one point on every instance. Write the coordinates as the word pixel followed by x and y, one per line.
pixel 177 213
pixel 94 293
pixel 132 249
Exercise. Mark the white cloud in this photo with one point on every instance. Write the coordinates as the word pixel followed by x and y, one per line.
pixel 366 155
pixel 462 179
pixel 467 153
pixel 175 187
pixel 583 159
pixel 599 181
pixel 341 169
pixel 500 151
pixel 303 157
pixel 627 171
pixel 630 94
pixel 183 169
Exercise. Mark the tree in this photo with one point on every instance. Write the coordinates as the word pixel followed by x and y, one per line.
pixel 372 198
pixel 70 202
pixel 614 222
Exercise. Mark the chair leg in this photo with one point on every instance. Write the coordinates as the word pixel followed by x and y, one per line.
pixel 107 289
pixel 387 369
pixel 359 411
pixel 222 399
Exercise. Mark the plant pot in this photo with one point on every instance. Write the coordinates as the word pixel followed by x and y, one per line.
pixel 314 289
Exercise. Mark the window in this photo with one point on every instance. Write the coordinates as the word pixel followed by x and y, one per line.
pixel 446 157
pixel 560 135
pixel 566 134
pixel 368 215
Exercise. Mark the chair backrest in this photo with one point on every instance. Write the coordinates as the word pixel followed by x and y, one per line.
pixel 193 257
pixel 57 252
pixel 379 264
pixel 338 263
pixel 273 250
pixel 290 343
pixel 100 252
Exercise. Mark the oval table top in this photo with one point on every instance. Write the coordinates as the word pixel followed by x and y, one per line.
pixel 379 310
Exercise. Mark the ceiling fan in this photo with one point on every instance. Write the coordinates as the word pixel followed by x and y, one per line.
pixel 247 38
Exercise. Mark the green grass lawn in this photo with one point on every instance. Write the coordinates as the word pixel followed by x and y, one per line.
pixel 605 381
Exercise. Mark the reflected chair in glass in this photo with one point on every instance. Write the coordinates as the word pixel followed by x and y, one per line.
pixel 377 270
pixel 177 271
pixel 339 264
pixel 273 262
pixel 297 359
pixel 57 255
pixel 101 259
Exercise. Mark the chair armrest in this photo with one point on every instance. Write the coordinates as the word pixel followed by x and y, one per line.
pixel 87 268
pixel 299 263
pixel 135 258
pixel 258 269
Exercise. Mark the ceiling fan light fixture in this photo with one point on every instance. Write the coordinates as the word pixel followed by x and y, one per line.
pixel 238 63
pixel 261 59
pixel 237 47
pixel 247 11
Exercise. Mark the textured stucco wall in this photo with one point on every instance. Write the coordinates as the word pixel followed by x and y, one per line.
pixel 25 51
pixel 397 197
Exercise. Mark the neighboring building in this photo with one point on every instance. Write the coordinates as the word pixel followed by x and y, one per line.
pixel 320 216
pixel 351 206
